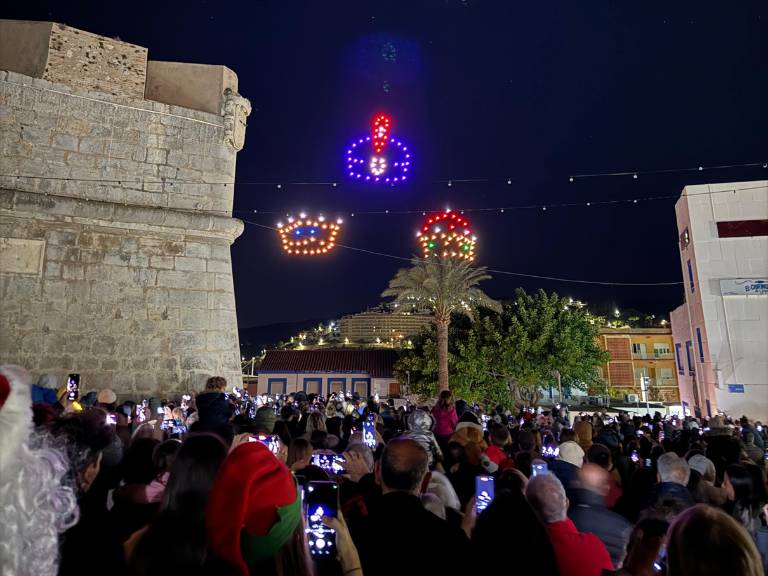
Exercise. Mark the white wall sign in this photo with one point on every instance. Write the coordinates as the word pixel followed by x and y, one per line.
pixel 744 286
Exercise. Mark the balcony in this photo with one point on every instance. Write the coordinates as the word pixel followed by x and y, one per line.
pixel 657 383
pixel 653 356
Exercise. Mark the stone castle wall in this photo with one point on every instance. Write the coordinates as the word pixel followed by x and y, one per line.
pixel 115 234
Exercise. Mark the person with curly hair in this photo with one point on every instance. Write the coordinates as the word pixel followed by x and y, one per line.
pixel 37 503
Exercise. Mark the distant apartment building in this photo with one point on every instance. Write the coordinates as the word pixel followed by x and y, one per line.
pixel 382 326
pixel 721 331
pixel 642 363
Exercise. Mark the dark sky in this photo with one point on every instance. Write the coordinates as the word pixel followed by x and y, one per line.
pixel 532 91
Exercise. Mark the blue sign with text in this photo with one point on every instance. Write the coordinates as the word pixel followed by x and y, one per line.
pixel 736 388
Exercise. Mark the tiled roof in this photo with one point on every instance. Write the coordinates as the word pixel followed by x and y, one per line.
pixel 377 363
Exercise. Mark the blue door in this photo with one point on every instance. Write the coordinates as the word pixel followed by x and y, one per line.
pixel 276 385
pixel 361 387
pixel 313 386
pixel 337 385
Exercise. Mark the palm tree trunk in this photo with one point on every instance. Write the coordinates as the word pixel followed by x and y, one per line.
pixel 442 323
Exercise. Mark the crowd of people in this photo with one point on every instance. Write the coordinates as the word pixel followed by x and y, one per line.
pixel 220 483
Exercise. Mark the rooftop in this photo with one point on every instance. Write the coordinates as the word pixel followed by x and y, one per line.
pixel 377 363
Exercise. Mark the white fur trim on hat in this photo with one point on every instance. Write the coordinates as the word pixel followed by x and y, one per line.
pixel 461 425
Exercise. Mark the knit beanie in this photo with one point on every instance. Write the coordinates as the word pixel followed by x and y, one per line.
pixel 254 507
pixel 264 421
pixel 572 453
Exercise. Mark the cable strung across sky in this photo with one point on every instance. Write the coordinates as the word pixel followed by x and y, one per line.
pixel 505 272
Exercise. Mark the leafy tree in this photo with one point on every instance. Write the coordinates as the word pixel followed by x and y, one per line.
pixel 507 357
pixel 539 339
pixel 446 286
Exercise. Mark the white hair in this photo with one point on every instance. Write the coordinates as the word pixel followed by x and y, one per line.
pixel 547 496
pixel 364 451
pixel 36 504
pixel 672 468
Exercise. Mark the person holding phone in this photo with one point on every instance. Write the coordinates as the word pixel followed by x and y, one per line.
pixel 255 522
pixel 428 544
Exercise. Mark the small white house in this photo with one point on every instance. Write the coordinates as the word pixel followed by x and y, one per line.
pixel 361 372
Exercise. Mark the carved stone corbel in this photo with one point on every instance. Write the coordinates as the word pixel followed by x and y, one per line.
pixel 236 111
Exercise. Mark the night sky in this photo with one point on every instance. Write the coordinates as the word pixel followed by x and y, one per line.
pixel 497 90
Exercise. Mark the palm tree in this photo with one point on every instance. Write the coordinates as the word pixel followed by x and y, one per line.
pixel 445 286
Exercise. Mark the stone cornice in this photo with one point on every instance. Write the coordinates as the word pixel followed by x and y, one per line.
pixel 99 213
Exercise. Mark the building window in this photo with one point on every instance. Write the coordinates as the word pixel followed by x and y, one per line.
pixel 661 349
pixel 678 356
pixel 701 344
pixel 664 375
pixel 689 356
pixel 638 348
pixel 690 276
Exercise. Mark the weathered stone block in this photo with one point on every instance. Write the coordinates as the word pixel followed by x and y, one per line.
pixel 65 142
pixel 221 300
pixel 191 264
pixel 219 266
pixel 182 279
pixel 188 298
pixel 161 262
pixel 187 340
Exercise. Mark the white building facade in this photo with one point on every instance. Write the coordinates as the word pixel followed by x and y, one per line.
pixel 721 331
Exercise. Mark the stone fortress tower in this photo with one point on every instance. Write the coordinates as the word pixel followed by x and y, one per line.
pixel 116 190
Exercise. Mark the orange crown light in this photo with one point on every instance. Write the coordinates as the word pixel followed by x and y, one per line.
pixel 309 236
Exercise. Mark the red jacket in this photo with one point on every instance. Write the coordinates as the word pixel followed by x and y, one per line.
pixel 578 553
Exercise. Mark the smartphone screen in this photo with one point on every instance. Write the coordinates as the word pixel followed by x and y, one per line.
pixel 539 469
pixel 550 451
pixel 369 435
pixel 634 456
pixel 647 463
pixel 73 387
pixel 331 463
pixel 322 499
pixel 269 440
pixel 483 492
pixel 112 419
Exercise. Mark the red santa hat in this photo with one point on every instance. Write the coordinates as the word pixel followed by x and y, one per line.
pixel 254 507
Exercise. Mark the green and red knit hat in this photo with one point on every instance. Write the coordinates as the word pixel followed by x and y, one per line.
pixel 254 507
